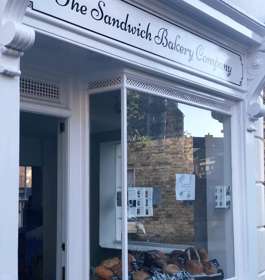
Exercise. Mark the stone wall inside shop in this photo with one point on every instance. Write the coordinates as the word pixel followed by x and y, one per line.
pixel 156 163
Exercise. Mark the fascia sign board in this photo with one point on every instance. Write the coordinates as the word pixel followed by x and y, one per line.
pixel 132 26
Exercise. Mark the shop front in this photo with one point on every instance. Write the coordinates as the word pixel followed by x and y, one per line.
pixel 136 127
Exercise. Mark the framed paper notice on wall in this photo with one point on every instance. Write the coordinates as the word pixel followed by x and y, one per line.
pixel 185 187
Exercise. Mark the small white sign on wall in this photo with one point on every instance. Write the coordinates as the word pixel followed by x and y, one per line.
pixel 140 202
pixel 185 186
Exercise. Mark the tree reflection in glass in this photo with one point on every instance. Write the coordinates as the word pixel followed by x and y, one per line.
pixel 178 169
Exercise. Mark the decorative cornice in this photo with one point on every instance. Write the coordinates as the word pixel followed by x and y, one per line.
pixel 255 111
pixel 255 85
pixel 15 37
pixel 255 64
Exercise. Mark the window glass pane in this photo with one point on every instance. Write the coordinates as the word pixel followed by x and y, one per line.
pixel 179 188
pixel 25 192
pixel 39 198
pixel 105 186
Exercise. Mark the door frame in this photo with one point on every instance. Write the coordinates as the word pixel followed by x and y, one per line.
pixel 62 184
pixel 73 145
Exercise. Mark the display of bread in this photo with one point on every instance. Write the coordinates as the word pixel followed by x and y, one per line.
pixel 171 269
pixel 141 275
pixel 109 263
pixel 208 267
pixel 156 264
pixel 193 263
pixel 104 273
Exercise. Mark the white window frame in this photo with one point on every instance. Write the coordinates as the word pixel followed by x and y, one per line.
pixel 138 81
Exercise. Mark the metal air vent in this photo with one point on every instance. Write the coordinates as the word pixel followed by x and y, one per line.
pixel 41 90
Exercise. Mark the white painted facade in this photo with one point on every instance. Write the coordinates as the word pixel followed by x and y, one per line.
pixel 132 68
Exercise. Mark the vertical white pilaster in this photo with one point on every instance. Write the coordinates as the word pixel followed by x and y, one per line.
pixel 255 190
pixel 251 201
pixel 124 180
pixel 260 191
pixel 251 166
pixel 77 204
pixel 9 176
pixel 14 39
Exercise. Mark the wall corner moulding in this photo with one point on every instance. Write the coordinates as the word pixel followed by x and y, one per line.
pixel 255 85
pixel 15 37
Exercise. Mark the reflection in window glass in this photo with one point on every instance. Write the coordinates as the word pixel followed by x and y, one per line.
pixel 179 207
pixel 105 186
pixel 25 191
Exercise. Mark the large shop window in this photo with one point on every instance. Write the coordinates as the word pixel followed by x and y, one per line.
pixel 179 206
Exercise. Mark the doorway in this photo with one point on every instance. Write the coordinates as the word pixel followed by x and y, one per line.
pixel 39 196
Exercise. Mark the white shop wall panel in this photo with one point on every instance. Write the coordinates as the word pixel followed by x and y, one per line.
pixel 261 250
pixel 261 276
pixel 260 205
pixel 250 10
pixel 259 158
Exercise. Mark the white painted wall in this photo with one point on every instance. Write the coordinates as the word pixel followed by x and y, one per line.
pixel 252 8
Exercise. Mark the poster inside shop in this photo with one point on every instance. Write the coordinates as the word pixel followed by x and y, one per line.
pixel 185 187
